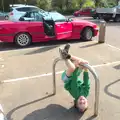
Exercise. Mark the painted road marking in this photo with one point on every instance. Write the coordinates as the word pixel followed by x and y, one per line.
pixel 1 59
pixel 113 46
pixel 2 66
pixel 50 74
pixel 2 117
pixel 47 46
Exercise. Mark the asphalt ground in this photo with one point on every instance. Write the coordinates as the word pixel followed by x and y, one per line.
pixel 27 76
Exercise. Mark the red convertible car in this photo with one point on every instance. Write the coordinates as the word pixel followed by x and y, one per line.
pixel 37 27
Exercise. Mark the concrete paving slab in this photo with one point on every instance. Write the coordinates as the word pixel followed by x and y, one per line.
pixel 35 61
pixel 21 100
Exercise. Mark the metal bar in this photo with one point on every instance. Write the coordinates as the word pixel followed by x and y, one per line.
pixel 54 75
pixel 97 84
pixel 97 87
pixel 102 32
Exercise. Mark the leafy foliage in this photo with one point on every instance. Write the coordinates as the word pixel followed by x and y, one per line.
pixel 64 6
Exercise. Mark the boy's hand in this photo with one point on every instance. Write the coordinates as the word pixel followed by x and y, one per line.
pixel 80 62
pixel 83 62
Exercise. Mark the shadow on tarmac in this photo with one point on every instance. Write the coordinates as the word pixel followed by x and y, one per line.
pixel 106 89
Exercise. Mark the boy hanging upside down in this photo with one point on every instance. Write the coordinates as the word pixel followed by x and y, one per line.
pixel 79 89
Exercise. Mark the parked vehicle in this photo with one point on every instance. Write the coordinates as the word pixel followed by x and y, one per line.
pixel 3 15
pixel 85 12
pixel 108 13
pixel 36 27
pixel 18 10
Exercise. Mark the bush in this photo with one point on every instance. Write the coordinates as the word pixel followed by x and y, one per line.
pixel 67 12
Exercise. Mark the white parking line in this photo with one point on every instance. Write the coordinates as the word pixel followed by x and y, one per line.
pixel 1 59
pixel 113 46
pixel 1 113
pixel 50 74
pixel 46 46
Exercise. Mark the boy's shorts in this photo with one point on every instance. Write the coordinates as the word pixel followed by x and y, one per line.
pixel 65 78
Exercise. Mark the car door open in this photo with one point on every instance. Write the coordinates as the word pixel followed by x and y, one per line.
pixel 63 30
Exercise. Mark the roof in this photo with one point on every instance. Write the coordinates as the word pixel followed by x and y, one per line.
pixel 21 5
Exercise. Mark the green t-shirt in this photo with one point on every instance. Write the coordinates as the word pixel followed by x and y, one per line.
pixel 77 87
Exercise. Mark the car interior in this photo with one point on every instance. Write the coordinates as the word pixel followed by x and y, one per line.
pixel 48 24
pixel 49 27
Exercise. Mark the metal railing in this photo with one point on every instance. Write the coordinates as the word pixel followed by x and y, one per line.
pixel 97 84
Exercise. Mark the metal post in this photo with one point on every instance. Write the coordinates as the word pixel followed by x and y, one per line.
pixel 97 84
pixel 54 75
pixel 102 32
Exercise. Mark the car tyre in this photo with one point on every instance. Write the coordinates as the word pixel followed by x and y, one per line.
pixel 23 39
pixel 117 19
pixel 6 17
pixel 107 19
pixel 94 17
pixel 87 34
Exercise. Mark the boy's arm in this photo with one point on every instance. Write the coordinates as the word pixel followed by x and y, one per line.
pixel 86 77
pixel 86 83
pixel 67 85
pixel 66 82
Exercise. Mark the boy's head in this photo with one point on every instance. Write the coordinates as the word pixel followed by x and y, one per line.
pixel 82 104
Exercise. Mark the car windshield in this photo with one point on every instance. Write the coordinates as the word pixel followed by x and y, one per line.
pixel 57 17
pixel 52 15
pixel 49 15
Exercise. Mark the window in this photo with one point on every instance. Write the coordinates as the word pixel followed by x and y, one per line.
pixel 38 17
pixel 35 15
pixel 57 17
pixel 25 9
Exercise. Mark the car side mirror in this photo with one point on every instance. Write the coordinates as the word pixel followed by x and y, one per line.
pixel 68 20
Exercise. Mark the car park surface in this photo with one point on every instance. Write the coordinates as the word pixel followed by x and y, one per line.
pixel 27 73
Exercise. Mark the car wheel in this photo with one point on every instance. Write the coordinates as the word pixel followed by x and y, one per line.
pixel 87 34
pixel 23 39
pixel 94 17
pixel 117 19
pixel 6 17
pixel 106 19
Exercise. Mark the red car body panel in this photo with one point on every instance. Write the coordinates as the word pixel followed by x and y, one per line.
pixel 63 30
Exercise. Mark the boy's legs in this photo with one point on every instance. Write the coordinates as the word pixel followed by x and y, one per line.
pixel 67 58
pixel 70 67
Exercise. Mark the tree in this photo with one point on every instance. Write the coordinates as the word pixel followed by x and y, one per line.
pixel 97 2
pixel 6 5
pixel 88 3
pixel 44 4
